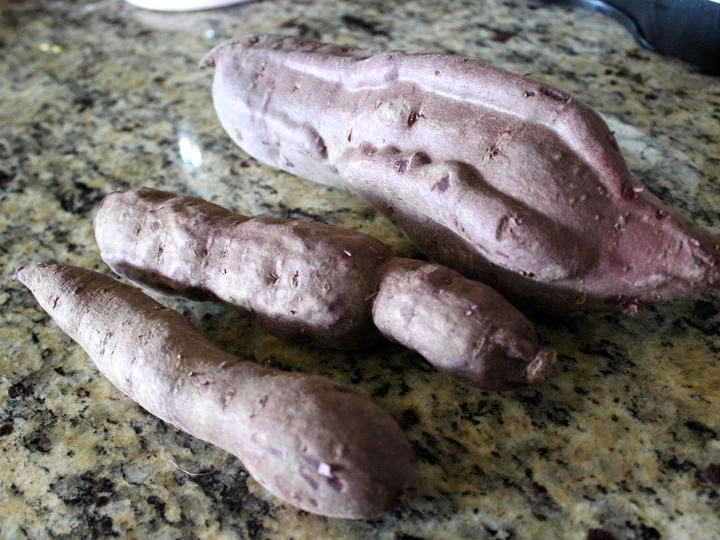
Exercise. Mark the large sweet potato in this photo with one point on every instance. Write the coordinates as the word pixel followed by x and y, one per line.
pixel 502 177
pixel 309 440
pixel 318 284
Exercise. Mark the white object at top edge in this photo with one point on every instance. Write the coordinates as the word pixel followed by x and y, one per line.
pixel 181 5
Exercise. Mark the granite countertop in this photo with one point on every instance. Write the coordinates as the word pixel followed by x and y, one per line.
pixel 622 442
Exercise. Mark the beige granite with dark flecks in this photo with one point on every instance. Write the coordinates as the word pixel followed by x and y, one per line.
pixel 623 442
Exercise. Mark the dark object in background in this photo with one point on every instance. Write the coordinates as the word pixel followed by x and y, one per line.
pixel 687 29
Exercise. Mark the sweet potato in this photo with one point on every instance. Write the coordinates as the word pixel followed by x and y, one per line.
pixel 504 178
pixel 319 284
pixel 309 440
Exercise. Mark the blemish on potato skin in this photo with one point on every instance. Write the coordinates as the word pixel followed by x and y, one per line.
pixel 554 95
pixel 443 184
pixel 401 165
pixel 309 479
pixel 412 118
pixel 336 483
pixel 227 398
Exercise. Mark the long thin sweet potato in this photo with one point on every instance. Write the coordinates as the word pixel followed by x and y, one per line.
pixel 506 179
pixel 318 284
pixel 309 440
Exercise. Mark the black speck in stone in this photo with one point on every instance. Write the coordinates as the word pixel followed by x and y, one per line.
pixel 711 331
pixel 681 466
pixel 405 536
pixel 21 390
pixel 502 36
pixel 430 440
pixel 701 430
pixel 455 443
pixel 648 533
pixel 104 485
pixel 6 430
pixel 100 526
pixel 408 419
pixel 231 493
pixel 159 505
pixel 81 200
pixel 78 489
pixel 404 388
pixel 713 473
pixel 600 534
pixel 285 212
pixel 705 310
pixel 372 28
pixel 5 178
pixel 617 359
pixel 543 503
pixel 302 29
pixel 83 102
pixel 425 455
pixel 382 390
pixel 38 441
pixel 255 528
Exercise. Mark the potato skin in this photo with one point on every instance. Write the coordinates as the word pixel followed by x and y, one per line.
pixel 357 290
pixel 304 281
pixel 467 329
pixel 309 440
pixel 504 178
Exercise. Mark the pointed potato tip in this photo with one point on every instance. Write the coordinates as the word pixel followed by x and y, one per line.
pixel 14 277
pixel 208 60
pixel 17 275
pixel 540 365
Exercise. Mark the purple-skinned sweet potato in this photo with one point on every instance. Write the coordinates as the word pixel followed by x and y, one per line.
pixel 309 440
pixel 506 179
pixel 319 285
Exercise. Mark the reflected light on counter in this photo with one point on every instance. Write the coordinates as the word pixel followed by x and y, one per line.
pixel 190 151
pixel 51 48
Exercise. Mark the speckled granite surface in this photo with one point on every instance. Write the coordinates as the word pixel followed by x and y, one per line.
pixel 623 441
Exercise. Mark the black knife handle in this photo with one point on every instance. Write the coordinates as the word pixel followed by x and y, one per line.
pixel 686 29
